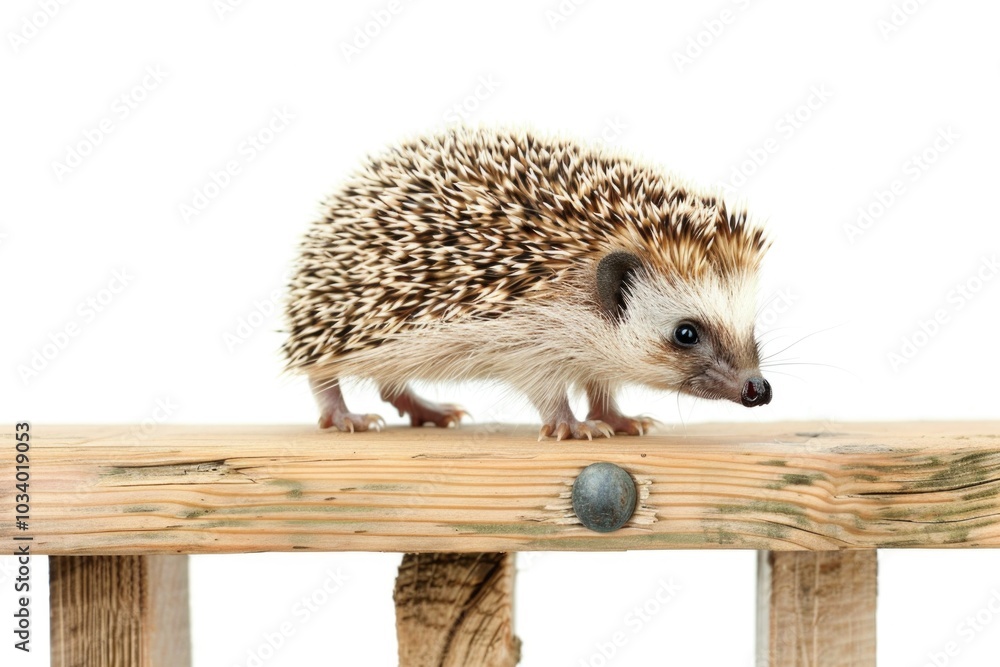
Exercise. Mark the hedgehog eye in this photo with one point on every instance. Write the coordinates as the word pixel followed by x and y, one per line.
pixel 686 335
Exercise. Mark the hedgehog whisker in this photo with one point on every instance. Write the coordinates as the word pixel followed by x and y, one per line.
pixel 792 362
pixel 680 390
pixel 763 337
pixel 774 372
pixel 809 335
pixel 770 367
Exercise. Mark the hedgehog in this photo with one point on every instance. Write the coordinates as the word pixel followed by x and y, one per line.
pixel 545 264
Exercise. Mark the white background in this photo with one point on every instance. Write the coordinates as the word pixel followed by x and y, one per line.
pixel 809 112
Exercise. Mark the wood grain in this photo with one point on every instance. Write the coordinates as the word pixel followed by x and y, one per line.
pixel 119 611
pixel 454 610
pixel 816 609
pixel 783 486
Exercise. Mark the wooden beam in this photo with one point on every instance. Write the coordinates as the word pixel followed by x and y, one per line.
pixel 785 486
pixel 119 611
pixel 816 609
pixel 454 610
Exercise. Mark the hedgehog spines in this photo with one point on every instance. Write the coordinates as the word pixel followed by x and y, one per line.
pixel 471 222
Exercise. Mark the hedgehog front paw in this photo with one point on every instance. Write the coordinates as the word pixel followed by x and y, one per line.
pixel 352 422
pixel 564 430
pixel 630 425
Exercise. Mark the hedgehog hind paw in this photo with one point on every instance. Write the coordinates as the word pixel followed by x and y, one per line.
pixel 422 411
pixel 640 425
pixel 576 430
pixel 443 415
pixel 352 422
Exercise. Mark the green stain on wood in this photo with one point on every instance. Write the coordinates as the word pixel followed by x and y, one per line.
pixel 385 487
pixel 276 510
pixel 294 488
pixel 801 480
pixel 723 536
pixel 795 479
pixel 133 509
pixel 614 542
pixel 774 531
pixel 935 473
pixel 988 492
pixel 901 543
pixel 957 536
pixel 956 509
pixel 774 462
pixel 973 468
pixel 225 523
pixel 768 507
pixel 896 513
pixel 508 528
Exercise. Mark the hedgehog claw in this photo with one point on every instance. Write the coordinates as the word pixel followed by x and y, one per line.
pixel 566 430
pixel 628 425
pixel 351 422
pixel 422 411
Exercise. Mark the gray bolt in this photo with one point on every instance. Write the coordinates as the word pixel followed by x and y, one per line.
pixel 604 497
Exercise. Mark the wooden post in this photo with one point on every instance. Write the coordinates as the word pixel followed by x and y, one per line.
pixel 119 611
pixel 816 609
pixel 456 609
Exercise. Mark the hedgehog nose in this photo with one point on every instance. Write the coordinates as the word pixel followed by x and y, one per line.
pixel 757 391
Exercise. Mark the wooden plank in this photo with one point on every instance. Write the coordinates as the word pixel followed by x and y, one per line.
pixel 816 609
pixel 786 486
pixel 119 611
pixel 456 609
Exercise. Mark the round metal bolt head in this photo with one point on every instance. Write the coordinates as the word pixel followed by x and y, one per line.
pixel 604 497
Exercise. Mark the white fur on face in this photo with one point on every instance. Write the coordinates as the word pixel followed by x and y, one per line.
pixel 723 307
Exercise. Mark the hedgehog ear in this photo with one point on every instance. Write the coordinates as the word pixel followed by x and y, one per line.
pixel 615 276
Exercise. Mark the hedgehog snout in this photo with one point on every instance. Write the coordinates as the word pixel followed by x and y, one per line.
pixel 756 391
